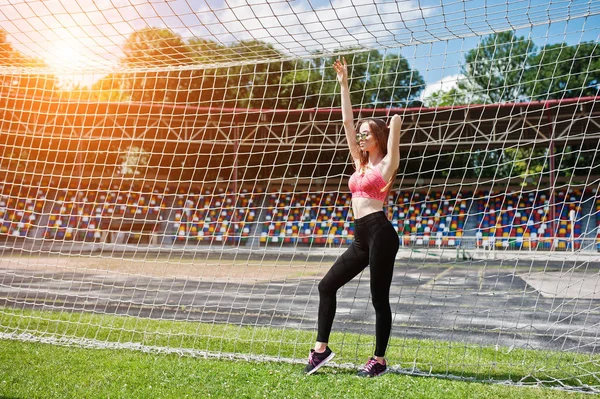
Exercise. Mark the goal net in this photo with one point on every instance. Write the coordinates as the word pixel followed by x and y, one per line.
pixel 175 179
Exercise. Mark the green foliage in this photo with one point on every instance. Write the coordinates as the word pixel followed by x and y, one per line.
pixel 507 68
pixel 577 160
pixel 254 74
pixel 375 80
pixel 108 88
pixel 29 83
pixel 562 71
pixel 256 83
pixel 447 98
pixel 301 88
pixel 394 83
pixel 496 66
pixel 526 163
pixel 154 47
pixel 153 51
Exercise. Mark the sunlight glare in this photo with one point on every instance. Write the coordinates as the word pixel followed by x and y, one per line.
pixel 67 60
pixel 64 58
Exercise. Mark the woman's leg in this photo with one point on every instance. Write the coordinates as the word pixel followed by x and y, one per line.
pixel 346 267
pixel 384 244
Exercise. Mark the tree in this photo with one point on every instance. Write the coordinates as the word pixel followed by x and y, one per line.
pixel 495 68
pixel 561 71
pixel 394 83
pixel 108 88
pixel 301 88
pixel 152 55
pixel 375 80
pixel 447 98
pixel 195 72
pixel 161 66
pixel 580 159
pixel 256 82
pixel 207 85
pixel 526 163
pixel 26 84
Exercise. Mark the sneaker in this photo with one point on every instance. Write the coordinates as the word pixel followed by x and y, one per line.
pixel 373 369
pixel 316 360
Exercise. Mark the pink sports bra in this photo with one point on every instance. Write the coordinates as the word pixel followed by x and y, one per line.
pixel 368 185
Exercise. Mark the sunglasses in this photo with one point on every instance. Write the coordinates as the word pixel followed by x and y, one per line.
pixel 361 136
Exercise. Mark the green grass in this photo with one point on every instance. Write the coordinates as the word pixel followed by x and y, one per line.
pixel 35 370
pixel 54 371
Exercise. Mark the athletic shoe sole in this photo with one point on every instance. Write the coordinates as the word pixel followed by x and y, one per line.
pixel 375 376
pixel 387 370
pixel 318 366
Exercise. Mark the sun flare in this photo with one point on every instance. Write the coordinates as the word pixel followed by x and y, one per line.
pixel 64 57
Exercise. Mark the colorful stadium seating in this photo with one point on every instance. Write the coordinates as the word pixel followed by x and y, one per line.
pixel 221 217
pixel 326 218
pixel 84 215
pixel 525 220
pixel 308 219
pixel 19 210
pixel 429 219
pixel 434 218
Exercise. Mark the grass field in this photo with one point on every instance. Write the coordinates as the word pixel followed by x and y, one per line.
pixel 39 370
pixel 35 370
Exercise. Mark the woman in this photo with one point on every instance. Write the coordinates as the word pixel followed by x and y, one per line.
pixel 376 155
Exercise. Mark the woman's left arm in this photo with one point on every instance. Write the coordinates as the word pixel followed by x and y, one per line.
pixel 392 159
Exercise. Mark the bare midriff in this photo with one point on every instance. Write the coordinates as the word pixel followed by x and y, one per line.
pixel 362 207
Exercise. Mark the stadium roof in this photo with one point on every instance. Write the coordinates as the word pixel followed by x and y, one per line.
pixel 473 125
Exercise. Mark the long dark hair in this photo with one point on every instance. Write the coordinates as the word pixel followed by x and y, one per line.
pixel 380 130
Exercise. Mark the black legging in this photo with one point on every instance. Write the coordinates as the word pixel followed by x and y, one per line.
pixel 375 245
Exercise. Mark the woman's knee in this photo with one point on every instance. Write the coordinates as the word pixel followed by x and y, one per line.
pixel 381 305
pixel 325 288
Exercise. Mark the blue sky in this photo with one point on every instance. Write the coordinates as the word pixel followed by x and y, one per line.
pixel 443 59
pixel 86 36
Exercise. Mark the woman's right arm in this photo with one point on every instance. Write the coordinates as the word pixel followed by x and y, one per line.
pixel 341 68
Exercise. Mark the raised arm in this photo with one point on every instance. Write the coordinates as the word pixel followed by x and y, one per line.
pixel 391 161
pixel 341 68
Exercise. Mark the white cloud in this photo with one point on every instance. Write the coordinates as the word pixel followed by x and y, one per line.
pixel 298 27
pixel 97 29
pixel 94 31
pixel 447 83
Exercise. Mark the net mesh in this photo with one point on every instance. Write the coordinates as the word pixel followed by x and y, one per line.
pixel 174 179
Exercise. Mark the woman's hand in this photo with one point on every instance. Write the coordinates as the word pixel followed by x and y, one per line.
pixel 395 123
pixel 341 68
